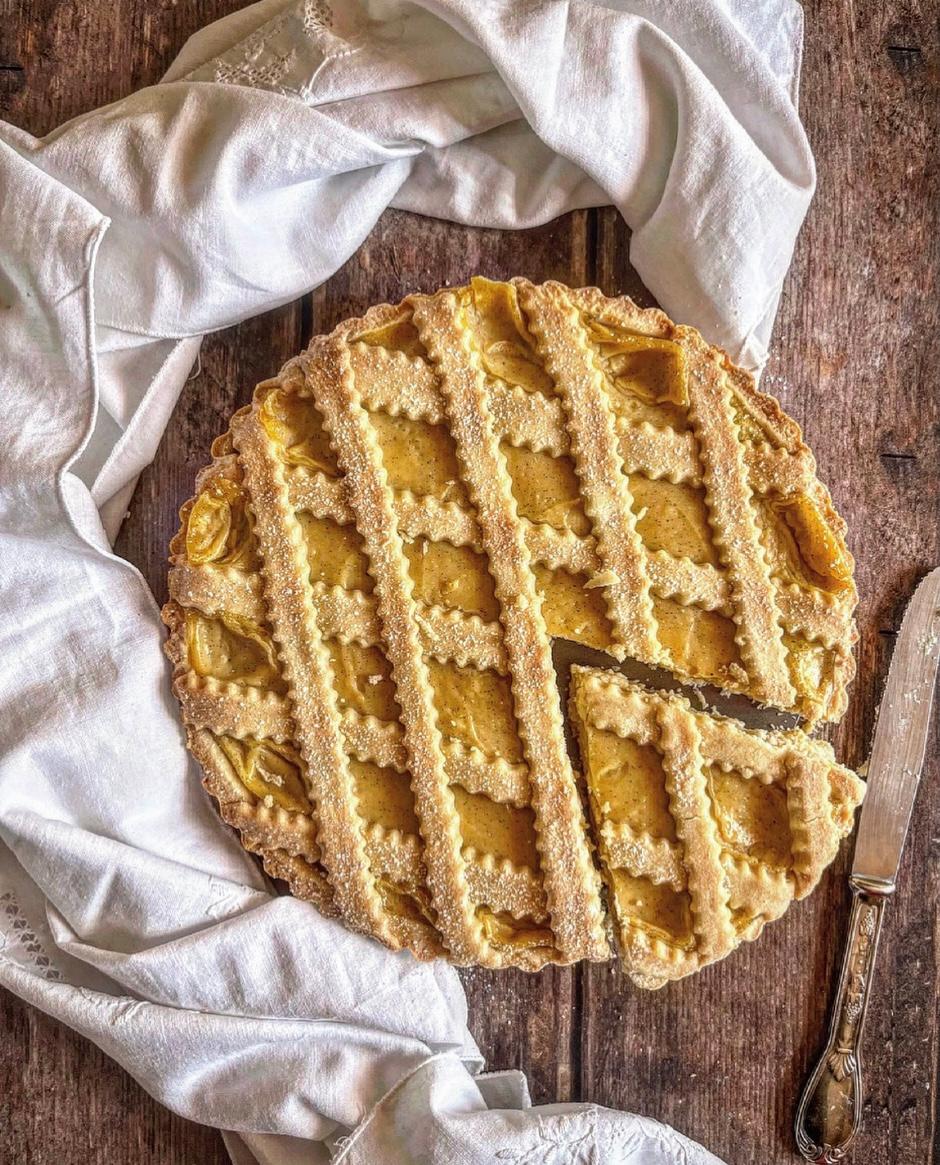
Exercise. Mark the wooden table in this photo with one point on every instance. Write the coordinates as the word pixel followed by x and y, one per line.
pixel 855 360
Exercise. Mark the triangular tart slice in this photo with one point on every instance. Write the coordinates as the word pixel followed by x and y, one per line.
pixel 705 829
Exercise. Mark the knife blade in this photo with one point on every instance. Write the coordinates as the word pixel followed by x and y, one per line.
pixel 900 742
pixel 829 1113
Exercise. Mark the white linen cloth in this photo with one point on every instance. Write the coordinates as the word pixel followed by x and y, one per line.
pixel 244 179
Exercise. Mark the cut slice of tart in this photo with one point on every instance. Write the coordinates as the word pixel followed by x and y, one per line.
pixel 705 829
pixel 366 585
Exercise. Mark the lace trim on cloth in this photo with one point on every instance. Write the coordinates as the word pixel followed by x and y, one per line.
pixel 19 943
pixel 569 1137
pixel 285 54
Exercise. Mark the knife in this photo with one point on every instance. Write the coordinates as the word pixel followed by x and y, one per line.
pixel 830 1110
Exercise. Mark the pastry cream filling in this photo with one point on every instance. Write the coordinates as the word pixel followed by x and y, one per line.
pixel 646 376
pixel 502 930
pixel 700 643
pixel 507 347
pixel 385 797
pixel 673 518
pixel 748 426
pixel 628 783
pixel 398 335
pixel 571 608
pixel 476 708
pixel 419 457
pixel 660 909
pixel 268 770
pixel 812 672
pixel 411 902
pixel 800 546
pixel 452 576
pixel 634 410
pixel 362 678
pixel 817 545
pixel 508 360
pixel 546 489
pixel 494 828
pixel 650 372
pixel 335 554
pixel 752 816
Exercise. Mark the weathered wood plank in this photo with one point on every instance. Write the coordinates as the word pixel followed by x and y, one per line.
pixel 60 60
pixel 62 1100
pixel 859 332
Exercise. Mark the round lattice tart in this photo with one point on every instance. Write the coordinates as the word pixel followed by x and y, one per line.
pixel 365 590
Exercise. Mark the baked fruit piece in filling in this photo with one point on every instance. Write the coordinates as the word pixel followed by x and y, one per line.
pixel 365 588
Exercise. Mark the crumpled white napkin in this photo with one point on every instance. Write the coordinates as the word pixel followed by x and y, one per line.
pixel 247 177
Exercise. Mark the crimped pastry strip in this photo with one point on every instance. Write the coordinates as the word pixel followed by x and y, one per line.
pixel 728 495
pixel 605 488
pixel 331 380
pixel 570 880
pixel 318 731
pixel 814 842
pixel 690 807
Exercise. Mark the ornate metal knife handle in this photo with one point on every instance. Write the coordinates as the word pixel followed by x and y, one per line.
pixel 830 1109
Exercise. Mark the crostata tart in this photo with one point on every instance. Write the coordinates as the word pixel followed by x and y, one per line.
pixel 366 587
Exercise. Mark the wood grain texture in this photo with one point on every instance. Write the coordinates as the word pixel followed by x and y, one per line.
pixel 855 358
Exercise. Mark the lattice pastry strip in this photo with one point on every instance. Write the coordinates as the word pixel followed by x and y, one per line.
pixel 331 381
pixel 364 591
pixel 706 829
pixel 569 875
pixel 307 670
pixel 560 337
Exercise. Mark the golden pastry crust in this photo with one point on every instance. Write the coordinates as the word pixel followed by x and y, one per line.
pixel 738 821
pixel 366 584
